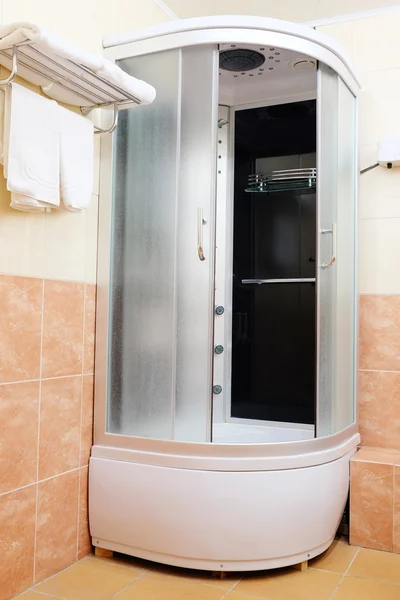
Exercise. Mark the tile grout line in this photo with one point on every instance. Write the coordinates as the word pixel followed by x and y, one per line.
pixel 232 588
pixel 80 421
pixel 23 487
pixel 34 587
pixel 45 594
pixel 4 274
pixel 38 435
pixel 344 574
pixel 50 378
pixel 129 585
pixel 377 371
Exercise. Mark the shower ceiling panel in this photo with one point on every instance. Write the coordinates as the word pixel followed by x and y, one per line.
pixel 267 72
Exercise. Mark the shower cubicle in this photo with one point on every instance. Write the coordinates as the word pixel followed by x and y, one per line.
pixel 226 329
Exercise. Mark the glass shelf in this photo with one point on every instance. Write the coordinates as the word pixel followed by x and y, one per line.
pixel 283 181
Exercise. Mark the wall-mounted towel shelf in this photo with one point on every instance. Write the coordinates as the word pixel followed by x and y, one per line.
pixel 65 80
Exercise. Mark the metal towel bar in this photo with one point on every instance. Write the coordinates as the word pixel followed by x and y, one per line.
pixel 93 90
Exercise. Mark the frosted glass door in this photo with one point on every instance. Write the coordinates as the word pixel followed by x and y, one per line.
pixel 336 274
pixel 160 336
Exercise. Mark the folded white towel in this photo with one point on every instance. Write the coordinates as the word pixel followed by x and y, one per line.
pixel 76 159
pixel 31 149
pixel 51 45
pixel 20 32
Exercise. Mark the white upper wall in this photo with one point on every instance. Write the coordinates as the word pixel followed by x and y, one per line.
pixel 291 10
pixel 85 22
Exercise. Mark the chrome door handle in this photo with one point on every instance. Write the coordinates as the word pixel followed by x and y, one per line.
pixel 333 258
pixel 200 223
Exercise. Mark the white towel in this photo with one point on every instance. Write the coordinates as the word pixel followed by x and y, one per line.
pixel 76 159
pixel 50 44
pixel 31 149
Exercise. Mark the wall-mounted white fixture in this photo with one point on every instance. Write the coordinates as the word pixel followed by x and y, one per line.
pixel 389 151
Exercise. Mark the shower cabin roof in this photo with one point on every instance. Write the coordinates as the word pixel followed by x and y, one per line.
pixel 231 29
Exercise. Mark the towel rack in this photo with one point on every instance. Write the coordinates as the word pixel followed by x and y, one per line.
pixel 92 90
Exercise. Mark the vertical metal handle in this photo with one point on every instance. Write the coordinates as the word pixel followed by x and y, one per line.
pixel 333 258
pixel 200 223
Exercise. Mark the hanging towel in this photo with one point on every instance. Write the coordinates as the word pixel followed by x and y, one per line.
pixel 49 44
pixel 76 159
pixel 31 149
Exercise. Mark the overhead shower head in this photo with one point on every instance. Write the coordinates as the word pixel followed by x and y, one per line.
pixel 240 59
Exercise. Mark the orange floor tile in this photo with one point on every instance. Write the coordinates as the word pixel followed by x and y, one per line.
pixel 341 573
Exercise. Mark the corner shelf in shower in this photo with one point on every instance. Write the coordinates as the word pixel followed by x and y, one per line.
pixel 304 180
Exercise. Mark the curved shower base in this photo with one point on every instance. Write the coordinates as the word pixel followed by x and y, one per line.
pixel 218 506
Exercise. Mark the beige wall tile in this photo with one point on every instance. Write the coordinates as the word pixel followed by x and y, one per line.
pixel 65 245
pixel 96 171
pixel 19 408
pixel 84 539
pixel 17 526
pixel 84 31
pixel 91 232
pixel 379 409
pixel 379 326
pixel 87 419
pixel 128 16
pixel 20 326
pixel 60 421
pixel 290 10
pixel 371 505
pixel 378 105
pixel 326 8
pixel 57 524
pixel 62 349
pixel 21 238
pixel 379 248
pixel 343 33
pixel 379 189
pixel 32 12
pixel 376 42
pixel 60 17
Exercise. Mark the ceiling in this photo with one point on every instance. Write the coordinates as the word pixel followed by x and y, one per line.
pixel 291 10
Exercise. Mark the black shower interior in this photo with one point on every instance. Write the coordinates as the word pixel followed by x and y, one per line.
pixel 273 341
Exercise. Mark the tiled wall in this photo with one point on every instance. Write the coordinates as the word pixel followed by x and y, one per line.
pixel 47 317
pixel 46 408
pixel 375 499
pixel 373 44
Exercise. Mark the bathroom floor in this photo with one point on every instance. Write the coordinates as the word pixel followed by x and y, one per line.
pixel 342 573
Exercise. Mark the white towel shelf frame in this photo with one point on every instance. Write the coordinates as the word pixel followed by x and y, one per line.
pixel 96 91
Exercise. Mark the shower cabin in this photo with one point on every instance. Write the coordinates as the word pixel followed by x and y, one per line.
pixel 226 330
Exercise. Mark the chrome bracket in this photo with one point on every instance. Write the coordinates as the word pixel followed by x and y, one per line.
pixel 85 110
pixel 14 68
